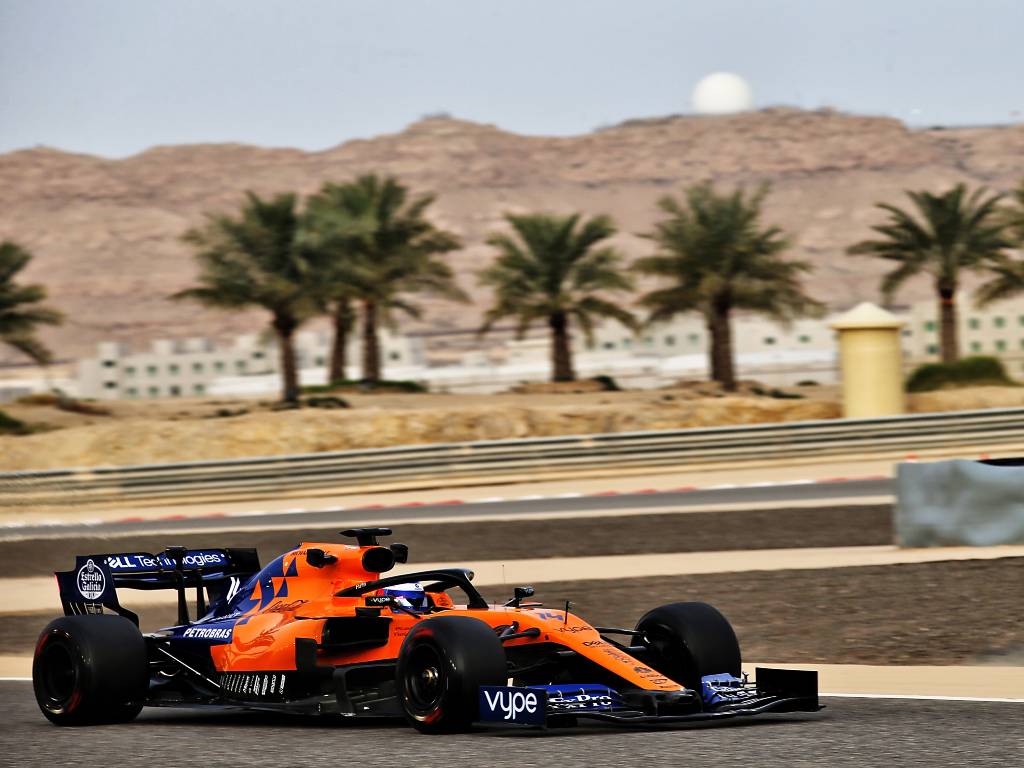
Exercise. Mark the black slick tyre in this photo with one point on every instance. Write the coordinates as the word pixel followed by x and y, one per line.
pixel 686 641
pixel 441 666
pixel 89 670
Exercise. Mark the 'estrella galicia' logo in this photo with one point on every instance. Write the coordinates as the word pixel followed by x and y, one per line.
pixel 91 581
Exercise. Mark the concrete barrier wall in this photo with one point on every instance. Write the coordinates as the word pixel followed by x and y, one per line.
pixel 973 503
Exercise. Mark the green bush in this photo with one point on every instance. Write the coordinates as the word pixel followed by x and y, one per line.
pixel 608 384
pixel 365 386
pixel 12 426
pixel 227 413
pixel 62 402
pixel 780 394
pixel 39 398
pixel 775 392
pixel 326 401
pixel 72 405
pixel 971 371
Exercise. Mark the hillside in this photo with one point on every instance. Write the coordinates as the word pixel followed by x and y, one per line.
pixel 106 232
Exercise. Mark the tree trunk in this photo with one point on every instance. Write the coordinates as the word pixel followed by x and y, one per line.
pixel 285 327
pixel 343 318
pixel 949 343
pixel 561 348
pixel 720 347
pixel 371 344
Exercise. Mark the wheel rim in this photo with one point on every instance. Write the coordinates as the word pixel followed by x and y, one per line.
pixel 425 680
pixel 59 675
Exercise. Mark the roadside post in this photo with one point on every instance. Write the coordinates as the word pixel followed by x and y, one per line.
pixel 871 361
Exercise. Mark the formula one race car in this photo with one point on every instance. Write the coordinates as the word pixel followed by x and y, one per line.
pixel 319 631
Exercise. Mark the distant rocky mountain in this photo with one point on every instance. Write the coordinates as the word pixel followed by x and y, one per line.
pixel 106 232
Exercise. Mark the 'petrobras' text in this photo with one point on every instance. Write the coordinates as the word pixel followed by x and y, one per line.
pixel 208 633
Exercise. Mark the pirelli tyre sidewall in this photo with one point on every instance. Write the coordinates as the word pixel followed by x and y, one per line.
pixel 686 641
pixel 441 666
pixel 89 670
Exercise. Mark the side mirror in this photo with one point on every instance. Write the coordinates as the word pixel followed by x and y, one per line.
pixel 519 593
pixel 401 552
pixel 318 558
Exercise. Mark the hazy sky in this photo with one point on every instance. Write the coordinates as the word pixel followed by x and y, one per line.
pixel 113 77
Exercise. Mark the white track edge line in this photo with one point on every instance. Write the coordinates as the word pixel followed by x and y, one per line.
pixel 904 696
pixel 534 497
pixel 919 697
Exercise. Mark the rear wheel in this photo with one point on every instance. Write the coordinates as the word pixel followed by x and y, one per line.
pixel 686 641
pixel 441 666
pixel 89 670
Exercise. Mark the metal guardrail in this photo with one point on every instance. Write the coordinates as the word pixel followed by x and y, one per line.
pixel 426 465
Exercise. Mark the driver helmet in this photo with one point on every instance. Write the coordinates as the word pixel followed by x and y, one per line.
pixel 409 595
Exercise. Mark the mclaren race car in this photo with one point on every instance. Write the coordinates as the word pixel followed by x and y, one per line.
pixel 320 630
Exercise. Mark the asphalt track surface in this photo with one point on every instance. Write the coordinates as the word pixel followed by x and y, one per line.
pixel 748 494
pixel 849 732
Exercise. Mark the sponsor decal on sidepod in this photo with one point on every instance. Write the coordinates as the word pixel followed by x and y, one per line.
pixel 208 633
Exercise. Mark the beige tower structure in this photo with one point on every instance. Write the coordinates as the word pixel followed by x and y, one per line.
pixel 871 360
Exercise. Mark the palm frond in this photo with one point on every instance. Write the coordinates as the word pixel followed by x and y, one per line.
pixel 713 249
pixel 1007 282
pixel 31 347
pixel 550 263
pixel 21 308
pixel 943 235
pixel 370 240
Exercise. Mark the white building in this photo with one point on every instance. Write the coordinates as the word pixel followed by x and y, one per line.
pixel 197 367
pixel 21 380
pixel 168 368
pixel 767 351
pixel 996 331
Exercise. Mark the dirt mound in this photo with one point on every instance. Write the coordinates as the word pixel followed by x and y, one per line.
pixel 967 399
pixel 135 440
pixel 562 387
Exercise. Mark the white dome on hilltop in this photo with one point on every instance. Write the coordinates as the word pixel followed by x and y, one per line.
pixel 722 93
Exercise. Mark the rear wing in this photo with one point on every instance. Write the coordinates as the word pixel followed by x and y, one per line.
pixel 216 574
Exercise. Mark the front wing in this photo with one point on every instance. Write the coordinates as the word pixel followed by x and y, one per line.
pixel 720 697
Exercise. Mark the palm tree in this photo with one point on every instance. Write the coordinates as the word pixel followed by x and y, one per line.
pixel 950 233
pixel 20 310
pixel 717 257
pixel 329 232
pixel 551 268
pixel 254 260
pixel 1014 216
pixel 381 247
pixel 1008 275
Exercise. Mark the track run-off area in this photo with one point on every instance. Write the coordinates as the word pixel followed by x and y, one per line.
pixel 567 504
pixel 848 732
pixel 802 563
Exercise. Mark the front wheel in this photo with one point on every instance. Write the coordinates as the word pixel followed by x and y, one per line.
pixel 89 670
pixel 441 666
pixel 686 641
